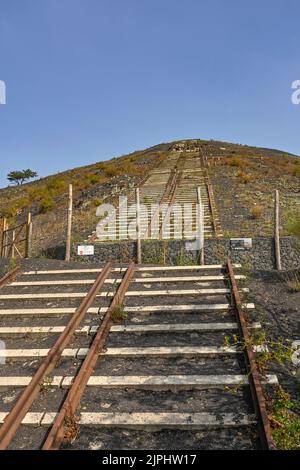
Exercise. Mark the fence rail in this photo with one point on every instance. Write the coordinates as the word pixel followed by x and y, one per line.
pixel 16 241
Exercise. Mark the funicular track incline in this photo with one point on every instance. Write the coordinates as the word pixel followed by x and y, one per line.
pixel 161 365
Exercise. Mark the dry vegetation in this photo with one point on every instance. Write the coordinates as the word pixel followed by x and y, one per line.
pixel 244 180
pixel 92 185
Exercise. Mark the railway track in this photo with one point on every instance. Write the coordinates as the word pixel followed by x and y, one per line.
pixel 168 187
pixel 129 357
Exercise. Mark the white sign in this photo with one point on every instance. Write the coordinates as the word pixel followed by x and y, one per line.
pixel 241 243
pixel 192 246
pixel 85 250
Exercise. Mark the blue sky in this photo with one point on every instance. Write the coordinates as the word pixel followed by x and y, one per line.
pixel 91 79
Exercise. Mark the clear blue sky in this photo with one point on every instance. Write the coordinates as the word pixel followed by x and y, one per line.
pixel 91 79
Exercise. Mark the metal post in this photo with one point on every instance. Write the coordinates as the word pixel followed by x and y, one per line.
pixel 277 230
pixel 69 227
pixel 200 226
pixel 138 227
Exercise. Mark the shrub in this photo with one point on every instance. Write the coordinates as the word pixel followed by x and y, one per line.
pixel 126 168
pixel 97 202
pixel 285 416
pixel 118 314
pixel 244 177
pixel 88 180
pixel 9 211
pixel 293 224
pixel 46 205
pixel 37 193
pixel 92 178
pixel 99 166
pixel 235 161
pixel 56 185
pixel 81 184
pixel 129 168
pixel 296 171
pixel 23 202
pixel 110 170
pixel 256 212
pixel 294 286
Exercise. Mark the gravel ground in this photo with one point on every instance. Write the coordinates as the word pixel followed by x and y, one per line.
pixel 276 308
pixel 230 439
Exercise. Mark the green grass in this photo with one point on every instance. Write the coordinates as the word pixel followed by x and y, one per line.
pixel 12 264
pixel 292 281
pixel 183 259
pixel 244 177
pixel 256 212
pixel 46 205
pixel 236 161
pixel 285 421
pixel 118 314
pixel 294 286
pixel 293 224
pixel 97 202
pixel 259 170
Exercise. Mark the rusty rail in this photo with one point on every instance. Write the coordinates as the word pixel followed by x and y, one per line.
pixel 66 413
pixel 173 191
pixel 254 376
pixel 9 276
pixel 204 163
pixel 16 415
pixel 170 189
pixel 169 185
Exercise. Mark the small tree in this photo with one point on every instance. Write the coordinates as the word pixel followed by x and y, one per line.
pixel 20 176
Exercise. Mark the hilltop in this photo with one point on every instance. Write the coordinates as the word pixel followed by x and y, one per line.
pixel 244 179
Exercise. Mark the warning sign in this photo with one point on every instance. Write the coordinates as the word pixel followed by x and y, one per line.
pixel 85 250
pixel 241 244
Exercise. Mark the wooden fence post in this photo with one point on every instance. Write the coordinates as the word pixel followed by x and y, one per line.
pixel 69 222
pixel 3 236
pixel 138 227
pixel 13 237
pixel 28 235
pixel 277 232
pixel 200 227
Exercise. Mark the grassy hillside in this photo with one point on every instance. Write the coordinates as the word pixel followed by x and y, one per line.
pixel 244 179
pixel 92 185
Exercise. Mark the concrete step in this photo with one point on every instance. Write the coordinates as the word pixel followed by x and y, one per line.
pixel 172 351
pixel 146 328
pixel 148 382
pixel 186 421
pixel 129 293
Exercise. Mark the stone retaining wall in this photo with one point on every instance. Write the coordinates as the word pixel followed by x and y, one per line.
pixel 261 256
